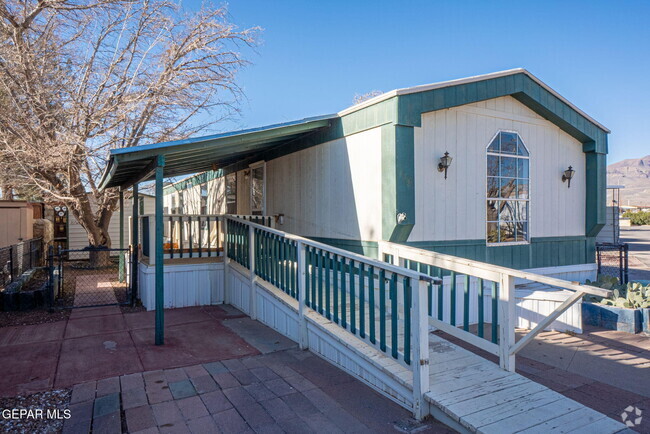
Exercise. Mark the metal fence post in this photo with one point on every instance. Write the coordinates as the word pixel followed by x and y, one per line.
pixel 133 263
pixel 620 265
pixel 301 284
pixel 50 270
pixel 626 248
pixel 11 264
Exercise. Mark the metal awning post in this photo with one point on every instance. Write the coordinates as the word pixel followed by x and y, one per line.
pixel 121 273
pixel 160 283
pixel 135 242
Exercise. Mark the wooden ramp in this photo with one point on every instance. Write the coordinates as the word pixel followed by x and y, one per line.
pixel 476 395
pixel 373 319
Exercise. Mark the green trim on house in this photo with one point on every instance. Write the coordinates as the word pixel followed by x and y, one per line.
pixel 596 194
pixel 541 252
pixel 527 91
pixel 398 181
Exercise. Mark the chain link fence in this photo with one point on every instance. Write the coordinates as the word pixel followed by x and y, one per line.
pixel 91 277
pixel 612 260
pixel 18 258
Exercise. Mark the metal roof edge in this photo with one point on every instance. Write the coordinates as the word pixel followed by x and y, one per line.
pixel 466 80
pixel 161 145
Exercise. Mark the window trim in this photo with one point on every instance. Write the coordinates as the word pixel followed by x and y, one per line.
pixel 528 220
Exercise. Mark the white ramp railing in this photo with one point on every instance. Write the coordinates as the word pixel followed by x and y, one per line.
pixel 381 304
pixel 475 301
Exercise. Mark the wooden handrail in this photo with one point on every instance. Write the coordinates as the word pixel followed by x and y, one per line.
pixel 485 270
pixel 506 348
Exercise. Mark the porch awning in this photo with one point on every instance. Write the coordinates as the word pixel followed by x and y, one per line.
pixel 127 166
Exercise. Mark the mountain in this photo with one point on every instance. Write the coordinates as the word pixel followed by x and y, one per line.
pixel 634 174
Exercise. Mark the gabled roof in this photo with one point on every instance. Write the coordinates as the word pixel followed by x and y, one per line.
pixel 468 80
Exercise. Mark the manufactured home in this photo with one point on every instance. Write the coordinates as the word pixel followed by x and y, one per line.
pixel 373 172
pixel 471 206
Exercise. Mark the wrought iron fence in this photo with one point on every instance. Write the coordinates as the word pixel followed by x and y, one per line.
pixel 18 258
pixel 612 260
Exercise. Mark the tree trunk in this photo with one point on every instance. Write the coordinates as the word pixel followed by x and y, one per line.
pixel 96 226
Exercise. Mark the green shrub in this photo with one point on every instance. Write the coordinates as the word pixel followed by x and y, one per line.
pixel 640 218
pixel 633 295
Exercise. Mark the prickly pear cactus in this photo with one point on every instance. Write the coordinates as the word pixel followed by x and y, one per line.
pixel 633 295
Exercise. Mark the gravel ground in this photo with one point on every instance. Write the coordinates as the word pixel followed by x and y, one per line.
pixel 51 400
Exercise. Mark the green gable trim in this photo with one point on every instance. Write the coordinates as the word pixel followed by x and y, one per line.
pixel 530 93
pixel 519 85
pixel 541 252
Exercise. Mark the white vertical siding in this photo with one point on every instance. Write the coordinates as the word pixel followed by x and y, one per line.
pixel 185 285
pixel 332 190
pixel 78 239
pixel 217 196
pixel 243 192
pixel 454 209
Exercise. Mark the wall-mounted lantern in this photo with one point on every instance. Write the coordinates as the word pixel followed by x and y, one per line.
pixel 401 218
pixel 567 175
pixel 279 219
pixel 445 162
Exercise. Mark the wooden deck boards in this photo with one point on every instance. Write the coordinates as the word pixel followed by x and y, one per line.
pixel 482 397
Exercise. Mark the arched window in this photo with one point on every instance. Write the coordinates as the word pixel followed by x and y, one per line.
pixel 508 189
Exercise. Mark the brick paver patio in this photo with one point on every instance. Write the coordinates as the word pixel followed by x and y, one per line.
pixel 220 371
pixel 286 391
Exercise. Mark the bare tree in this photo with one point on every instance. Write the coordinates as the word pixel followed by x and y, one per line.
pixel 81 77
pixel 359 98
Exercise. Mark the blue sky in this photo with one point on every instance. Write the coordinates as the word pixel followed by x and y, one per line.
pixel 316 55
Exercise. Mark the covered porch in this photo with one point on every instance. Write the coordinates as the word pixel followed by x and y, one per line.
pixel 179 250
